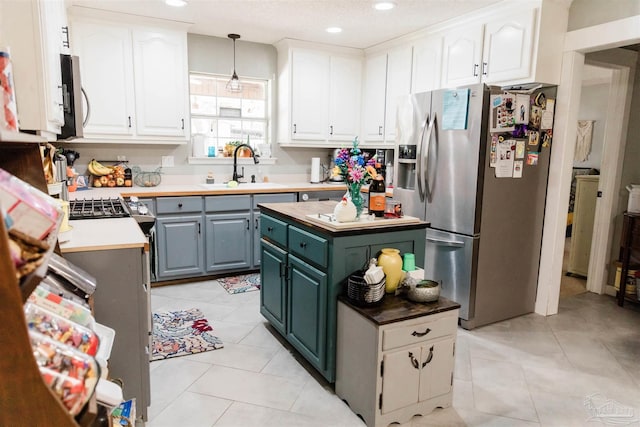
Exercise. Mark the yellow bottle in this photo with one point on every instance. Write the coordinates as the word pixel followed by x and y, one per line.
pixel 391 264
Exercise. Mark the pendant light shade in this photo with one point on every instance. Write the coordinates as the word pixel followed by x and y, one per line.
pixel 234 83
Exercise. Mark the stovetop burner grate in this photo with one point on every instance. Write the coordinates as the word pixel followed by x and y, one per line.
pixel 98 208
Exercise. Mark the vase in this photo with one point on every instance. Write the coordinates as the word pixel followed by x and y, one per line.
pixel 391 264
pixel 356 197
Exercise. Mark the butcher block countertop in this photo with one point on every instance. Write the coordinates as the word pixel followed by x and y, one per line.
pixel 104 234
pixel 307 214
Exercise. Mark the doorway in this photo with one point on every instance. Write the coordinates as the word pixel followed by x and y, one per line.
pixel 579 44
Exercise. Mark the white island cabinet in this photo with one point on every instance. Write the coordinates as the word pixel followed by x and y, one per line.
pixel 395 360
pixel 135 78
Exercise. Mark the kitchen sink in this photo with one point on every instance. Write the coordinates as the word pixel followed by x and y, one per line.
pixel 244 186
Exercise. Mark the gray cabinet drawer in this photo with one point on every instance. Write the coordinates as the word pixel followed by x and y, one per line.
pixel 241 202
pixel 274 229
pixel 171 205
pixel 273 198
pixel 308 246
pixel 436 326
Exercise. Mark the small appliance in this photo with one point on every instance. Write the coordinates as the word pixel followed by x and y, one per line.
pixel 72 98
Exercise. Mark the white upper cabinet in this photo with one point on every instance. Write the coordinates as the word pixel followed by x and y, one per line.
pixel 319 94
pixel 427 60
pixel 387 77
pixel 522 44
pixel 373 97
pixel 136 81
pixel 36 33
pixel 309 94
pixel 107 78
pixel 160 71
pixel 508 47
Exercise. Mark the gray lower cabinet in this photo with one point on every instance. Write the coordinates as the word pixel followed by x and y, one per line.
pixel 121 302
pixel 196 236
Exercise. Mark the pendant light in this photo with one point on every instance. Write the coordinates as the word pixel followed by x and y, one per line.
pixel 234 83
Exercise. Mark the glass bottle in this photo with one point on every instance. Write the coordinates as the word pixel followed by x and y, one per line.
pixel 377 196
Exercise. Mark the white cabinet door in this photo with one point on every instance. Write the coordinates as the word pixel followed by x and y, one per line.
pixel 398 85
pixel 436 366
pixel 373 97
pixel 461 56
pixel 54 19
pixel 427 59
pixel 344 98
pixel 160 82
pixel 508 47
pixel 309 92
pixel 107 76
pixel 401 380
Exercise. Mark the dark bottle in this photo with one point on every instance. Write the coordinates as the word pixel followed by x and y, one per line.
pixel 377 196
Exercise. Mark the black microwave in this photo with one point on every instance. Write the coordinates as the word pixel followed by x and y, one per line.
pixel 71 98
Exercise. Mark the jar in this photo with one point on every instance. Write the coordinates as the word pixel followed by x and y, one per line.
pixel 391 263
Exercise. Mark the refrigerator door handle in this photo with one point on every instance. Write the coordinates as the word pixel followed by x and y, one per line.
pixel 454 243
pixel 425 159
pixel 419 179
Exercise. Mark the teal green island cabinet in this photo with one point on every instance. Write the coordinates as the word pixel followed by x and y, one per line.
pixel 305 262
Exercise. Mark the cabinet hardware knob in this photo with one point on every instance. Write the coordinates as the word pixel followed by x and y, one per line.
pixel 179 205
pixel 429 357
pixel 484 68
pixel 380 130
pixel 182 120
pixel 248 224
pixel 295 128
pixel 421 334
pixel 129 121
pixel 303 245
pixel 330 130
pixel 65 33
pixel 269 229
pixel 414 361
pixel 257 223
pixel 475 70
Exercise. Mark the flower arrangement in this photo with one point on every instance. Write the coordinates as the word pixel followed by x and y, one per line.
pixel 356 171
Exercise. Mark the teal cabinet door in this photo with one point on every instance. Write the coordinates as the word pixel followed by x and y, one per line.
pixel 228 245
pixel 307 311
pixel 256 240
pixel 273 285
pixel 179 246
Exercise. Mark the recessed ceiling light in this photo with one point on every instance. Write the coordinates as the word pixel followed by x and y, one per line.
pixel 176 3
pixel 384 5
pixel 334 30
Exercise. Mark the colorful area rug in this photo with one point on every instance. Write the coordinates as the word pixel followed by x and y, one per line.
pixel 242 283
pixel 179 333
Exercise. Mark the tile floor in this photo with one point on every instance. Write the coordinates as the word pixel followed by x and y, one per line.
pixel 528 371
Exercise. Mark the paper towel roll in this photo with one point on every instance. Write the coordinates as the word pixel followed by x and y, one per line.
pixel 315 169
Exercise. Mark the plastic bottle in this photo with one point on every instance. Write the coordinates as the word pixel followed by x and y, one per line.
pixel 377 196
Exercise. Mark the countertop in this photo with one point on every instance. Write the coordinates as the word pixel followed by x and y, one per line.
pixel 299 212
pixel 104 234
pixel 202 190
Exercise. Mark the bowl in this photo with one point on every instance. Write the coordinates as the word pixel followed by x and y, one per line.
pixel 424 291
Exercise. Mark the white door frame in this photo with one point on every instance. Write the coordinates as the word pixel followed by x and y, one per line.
pixel 577 43
pixel 615 139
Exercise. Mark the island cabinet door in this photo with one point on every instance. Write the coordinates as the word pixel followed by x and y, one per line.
pixel 273 295
pixel 401 379
pixel 307 311
pixel 180 246
pixel 436 374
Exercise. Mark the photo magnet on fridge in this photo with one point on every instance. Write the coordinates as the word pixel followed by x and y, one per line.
pixel 502 113
pixel 532 159
pixel 534 137
pixel 517 169
pixel 535 117
pixel 522 108
pixel 546 137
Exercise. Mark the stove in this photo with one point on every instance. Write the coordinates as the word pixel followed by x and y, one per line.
pixel 98 208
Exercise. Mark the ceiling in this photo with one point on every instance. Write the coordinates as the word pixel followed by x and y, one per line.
pixel 268 21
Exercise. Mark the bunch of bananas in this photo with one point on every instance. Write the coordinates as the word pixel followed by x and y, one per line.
pixel 98 169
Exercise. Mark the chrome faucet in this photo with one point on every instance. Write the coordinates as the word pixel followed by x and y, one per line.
pixel 236 177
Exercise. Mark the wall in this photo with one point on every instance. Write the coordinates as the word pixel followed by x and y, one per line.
pixel 215 55
pixel 586 13
pixel 593 107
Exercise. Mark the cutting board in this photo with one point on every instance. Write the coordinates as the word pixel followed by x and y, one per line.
pixel 328 221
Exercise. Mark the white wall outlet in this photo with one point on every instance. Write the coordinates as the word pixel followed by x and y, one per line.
pixel 167 161
pixel 122 158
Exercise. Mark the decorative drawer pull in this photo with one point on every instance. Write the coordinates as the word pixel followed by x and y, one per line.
pixel 420 334
pixel 414 361
pixel 269 229
pixel 303 245
pixel 429 357
pixel 179 205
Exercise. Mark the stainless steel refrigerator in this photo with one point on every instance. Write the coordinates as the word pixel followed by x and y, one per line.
pixel 485 233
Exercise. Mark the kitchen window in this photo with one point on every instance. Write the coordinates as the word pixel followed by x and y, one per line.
pixel 220 117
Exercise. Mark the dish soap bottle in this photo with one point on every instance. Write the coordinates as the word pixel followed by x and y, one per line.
pixel 377 196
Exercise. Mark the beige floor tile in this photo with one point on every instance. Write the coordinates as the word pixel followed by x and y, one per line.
pixel 247 357
pixel 191 410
